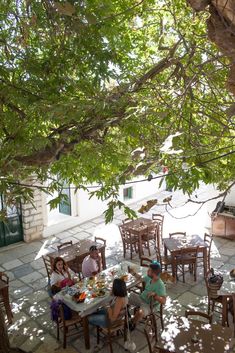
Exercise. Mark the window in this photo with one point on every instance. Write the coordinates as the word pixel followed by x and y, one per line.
pixel 128 193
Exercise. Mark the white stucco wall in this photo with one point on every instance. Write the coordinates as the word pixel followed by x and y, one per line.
pixel 85 209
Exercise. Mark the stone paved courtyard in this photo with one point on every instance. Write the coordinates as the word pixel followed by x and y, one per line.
pixel 33 330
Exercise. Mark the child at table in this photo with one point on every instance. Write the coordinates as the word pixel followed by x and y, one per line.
pixel 61 275
pixel 118 303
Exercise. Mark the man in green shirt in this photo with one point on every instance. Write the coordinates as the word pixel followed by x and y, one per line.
pixel 154 289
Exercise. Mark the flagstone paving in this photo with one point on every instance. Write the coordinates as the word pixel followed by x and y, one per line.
pixel 33 330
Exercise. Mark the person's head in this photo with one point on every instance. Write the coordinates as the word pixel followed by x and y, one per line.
pixel 119 288
pixel 154 270
pixel 94 253
pixel 59 264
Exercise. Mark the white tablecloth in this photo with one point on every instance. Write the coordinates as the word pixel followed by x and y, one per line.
pixel 90 305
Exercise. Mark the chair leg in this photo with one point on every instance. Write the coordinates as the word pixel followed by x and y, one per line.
pixel 58 332
pixel 183 274
pixel 64 337
pixel 97 334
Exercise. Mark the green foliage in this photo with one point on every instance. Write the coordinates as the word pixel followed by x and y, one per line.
pixel 85 84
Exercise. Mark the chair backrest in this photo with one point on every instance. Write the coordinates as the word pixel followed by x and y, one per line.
pixel 63 245
pixel 157 217
pixel 4 277
pixel 198 313
pixel 184 252
pixel 100 241
pixel 177 235
pixel 145 261
pixel 48 265
pixel 208 240
pixel 158 255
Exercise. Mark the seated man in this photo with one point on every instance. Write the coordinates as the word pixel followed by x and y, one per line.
pixel 91 265
pixel 154 288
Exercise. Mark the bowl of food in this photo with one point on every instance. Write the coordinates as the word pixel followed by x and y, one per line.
pixel 232 273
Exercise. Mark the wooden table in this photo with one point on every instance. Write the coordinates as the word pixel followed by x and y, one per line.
pixel 4 293
pixel 139 227
pixel 226 291
pixel 74 254
pixel 178 333
pixel 174 245
pixel 92 304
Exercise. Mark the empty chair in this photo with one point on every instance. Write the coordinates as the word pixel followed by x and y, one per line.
pixel 4 296
pixel 159 219
pixel 187 256
pixel 150 238
pixel 165 261
pixel 64 245
pixel 130 241
pixel 177 235
pixel 200 314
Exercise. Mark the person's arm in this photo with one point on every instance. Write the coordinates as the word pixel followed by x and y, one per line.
pixel 158 298
pixel 114 312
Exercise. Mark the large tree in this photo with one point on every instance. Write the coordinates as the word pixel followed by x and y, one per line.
pixel 87 86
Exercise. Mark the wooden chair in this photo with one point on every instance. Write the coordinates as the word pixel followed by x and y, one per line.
pixel 165 261
pixel 199 313
pixel 159 219
pixel 4 296
pixel 100 241
pixel 64 245
pixel 113 328
pixel 208 240
pixel 130 241
pixel 214 300
pixel 150 238
pixel 48 265
pixel 187 256
pixel 177 235
pixel 65 325
pixel 145 261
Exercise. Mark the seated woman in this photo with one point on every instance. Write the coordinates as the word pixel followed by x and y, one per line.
pixel 61 275
pixel 118 303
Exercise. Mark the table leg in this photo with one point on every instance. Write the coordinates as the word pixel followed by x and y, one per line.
pixel 86 332
pixel 224 310
pixel 7 306
pixel 102 252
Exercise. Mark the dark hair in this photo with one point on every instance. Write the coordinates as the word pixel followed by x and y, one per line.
pixel 93 248
pixel 56 260
pixel 155 267
pixel 119 288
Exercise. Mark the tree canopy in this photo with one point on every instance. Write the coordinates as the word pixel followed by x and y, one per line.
pixel 103 91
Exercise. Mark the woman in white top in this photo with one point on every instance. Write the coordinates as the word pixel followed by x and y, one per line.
pixel 60 272
pixel 119 302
